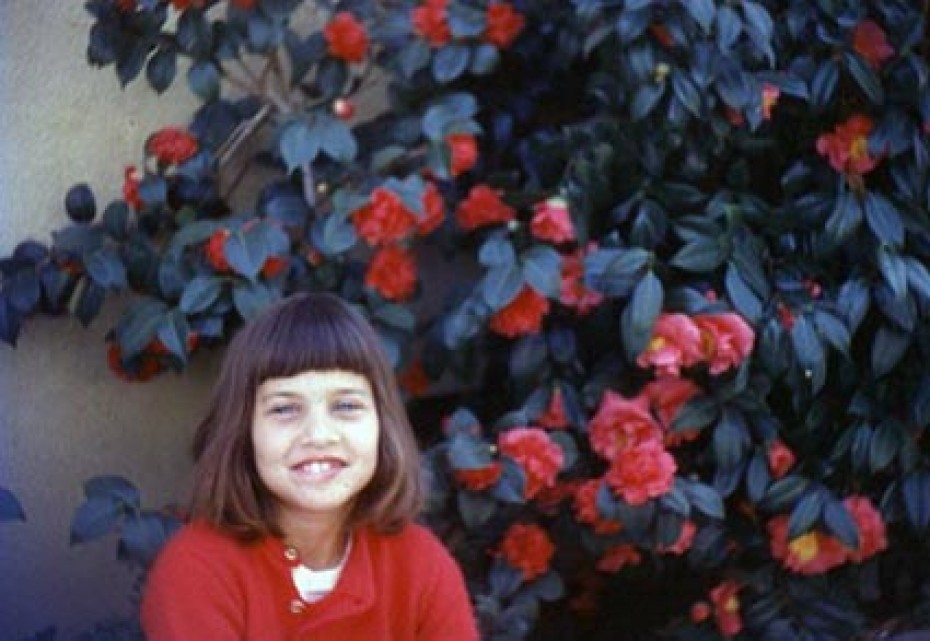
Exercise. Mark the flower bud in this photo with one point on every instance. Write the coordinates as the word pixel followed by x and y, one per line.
pixel 343 109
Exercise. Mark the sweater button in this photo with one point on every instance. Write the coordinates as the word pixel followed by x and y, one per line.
pixel 297 606
pixel 291 553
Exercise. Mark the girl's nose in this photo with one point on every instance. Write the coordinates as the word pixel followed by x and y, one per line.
pixel 318 429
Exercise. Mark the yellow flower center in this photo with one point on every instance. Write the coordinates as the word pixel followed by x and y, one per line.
pixel 656 344
pixel 731 604
pixel 859 147
pixel 805 547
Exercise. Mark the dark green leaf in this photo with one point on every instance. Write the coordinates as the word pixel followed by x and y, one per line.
pixel 484 60
pixel 742 297
pixel 840 523
pixel 204 80
pixel 893 270
pixel 246 251
pixel 501 285
pixel 865 77
pixel 298 146
pixel 106 267
pixel 95 517
pixel 645 99
pixel 542 270
pixel 884 446
pixel 757 477
pixel 833 331
pixel 640 315
pixel 702 11
pixel 115 488
pixel 701 256
pixel 845 219
pixel 139 325
pixel 173 334
pixel 475 509
pixel 809 352
pixel 916 492
pixel 731 438
pixel 823 86
pixel 883 219
pixel 450 62
pixel 497 250
pixel 10 509
pixel 888 348
pixel 806 513
pixel 413 57
pixel 161 69
pixel 336 139
pixel 705 499
pixel 144 536
pixel 251 299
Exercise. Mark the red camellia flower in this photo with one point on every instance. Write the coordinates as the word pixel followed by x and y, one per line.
pixel 384 219
pixel 554 416
pixel 617 557
pixel 346 37
pixel 480 478
pixel 660 32
pixel 245 5
pixel 781 459
pixel 585 504
pixel 392 273
pixel 463 149
pixel 726 340
pixel 528 548
pixel 726 608
pixel 619 424
pixel 274 265
pixel 869 42
pixel 700 611
pixel 872 537
pixel 666 396
pixel 675 343
pixel 434 210
pixel 429 21
pixel 573 292
pixel 414 379
pixel 482 206
pixel 181 5
pixel 770 94
pixel 126 6
pixel 552 222
pixel 536 454
pixel 148 367
pixel 504 25
pixel 810 553
pixel 523 315
pixel 848 147
pixel 131 181
pixel 642 472
pixel 215 253
pixel 171 145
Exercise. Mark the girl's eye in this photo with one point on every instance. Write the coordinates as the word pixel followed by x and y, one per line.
pixel 349 406
pixel 284 411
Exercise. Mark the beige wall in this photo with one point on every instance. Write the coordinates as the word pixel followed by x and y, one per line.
pixel 64 417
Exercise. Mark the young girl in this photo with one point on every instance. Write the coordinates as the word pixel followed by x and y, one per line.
pixel 306 483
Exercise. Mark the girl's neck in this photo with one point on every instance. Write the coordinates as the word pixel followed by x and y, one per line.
pixel 321 544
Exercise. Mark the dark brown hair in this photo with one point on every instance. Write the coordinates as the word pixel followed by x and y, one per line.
pixel 303 332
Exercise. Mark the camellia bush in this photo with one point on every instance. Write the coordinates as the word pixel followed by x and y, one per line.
pixel 670 256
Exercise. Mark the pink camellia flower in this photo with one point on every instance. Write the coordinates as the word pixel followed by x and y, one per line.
pixel 809 554
pixel 675 343
pixel 554 416
pixel 552 222
pixel 666 396
pixel 585 503
pixel 872 537
pixel 536 454
pixel 619 424
pixel 573 292
pixel 847 147
pixel 346 37
pixel 726 340
pixel 642 472
pixel 528 548
pixel 770 94
pixel 869 42
pixel 617 557
pixel 523 315
pixel 781 459
pixel 727 608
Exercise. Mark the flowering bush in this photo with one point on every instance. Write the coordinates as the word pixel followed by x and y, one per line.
pixel 685 302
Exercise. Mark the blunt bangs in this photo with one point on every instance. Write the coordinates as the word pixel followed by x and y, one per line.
pixel 309 333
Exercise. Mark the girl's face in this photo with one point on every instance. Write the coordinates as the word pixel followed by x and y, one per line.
pixel 315 437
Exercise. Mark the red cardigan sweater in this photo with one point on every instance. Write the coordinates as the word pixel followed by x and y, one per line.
pixel 206 586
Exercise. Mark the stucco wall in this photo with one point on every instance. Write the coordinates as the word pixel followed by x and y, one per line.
pixel 64 417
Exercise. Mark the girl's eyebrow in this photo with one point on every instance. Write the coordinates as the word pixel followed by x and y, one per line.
pixel 360 391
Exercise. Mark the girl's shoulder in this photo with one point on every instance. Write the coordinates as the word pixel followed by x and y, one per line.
pixel 413 538
pixel 200 539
